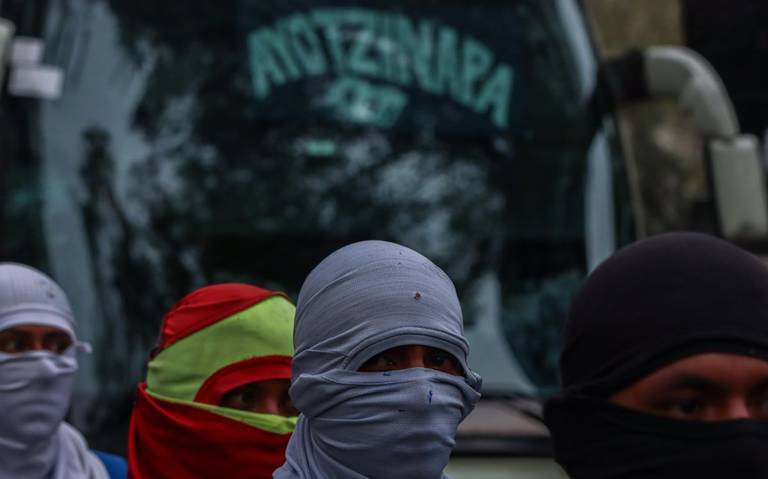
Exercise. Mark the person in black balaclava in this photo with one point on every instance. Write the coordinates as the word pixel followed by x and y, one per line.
pixel 665 365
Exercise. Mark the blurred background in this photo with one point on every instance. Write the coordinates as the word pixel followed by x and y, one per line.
pixel 664 144
pixel 149 148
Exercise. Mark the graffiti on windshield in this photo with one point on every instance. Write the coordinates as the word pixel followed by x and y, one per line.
pixel 374 57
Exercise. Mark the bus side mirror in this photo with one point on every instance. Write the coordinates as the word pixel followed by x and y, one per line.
pixel 738 181
pixel 736 173
pixel 735 168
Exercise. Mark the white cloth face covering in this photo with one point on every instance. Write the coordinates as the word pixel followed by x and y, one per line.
pixel 36 386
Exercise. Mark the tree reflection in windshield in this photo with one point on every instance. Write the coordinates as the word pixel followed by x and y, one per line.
pixel 236 187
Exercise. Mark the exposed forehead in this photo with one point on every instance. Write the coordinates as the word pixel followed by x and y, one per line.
pixel 413 349
pixel 723 371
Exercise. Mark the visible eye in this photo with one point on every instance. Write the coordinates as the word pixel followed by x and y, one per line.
pixel 248 396
pixel 688 407
pixel 244 398
pixel 684 408
pixel 439 358
pixel 443 361
pixel 380 362
pixel 57 344
pixel 11 344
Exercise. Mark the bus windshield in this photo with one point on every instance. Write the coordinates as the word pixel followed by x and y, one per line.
pixel 196 142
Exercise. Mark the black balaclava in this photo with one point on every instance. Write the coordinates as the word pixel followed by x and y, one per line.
pixel 649 305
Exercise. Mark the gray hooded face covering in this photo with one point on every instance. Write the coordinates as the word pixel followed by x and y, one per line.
pixel 35 386
pixel 362 300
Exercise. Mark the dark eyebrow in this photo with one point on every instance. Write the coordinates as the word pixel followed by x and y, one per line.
pixel 696 383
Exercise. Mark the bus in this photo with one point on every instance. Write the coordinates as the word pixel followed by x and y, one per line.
pixel 148 148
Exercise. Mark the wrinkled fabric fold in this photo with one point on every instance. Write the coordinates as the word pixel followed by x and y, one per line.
pixel 35 386
pixel 213 340
pixel 171 440
pixel 360 301
pixel 34 395
pixel 344 411
pixel 367 291
pixel 27 296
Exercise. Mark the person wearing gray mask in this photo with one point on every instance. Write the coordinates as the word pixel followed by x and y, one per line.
pixel 38 349
pixel 380 369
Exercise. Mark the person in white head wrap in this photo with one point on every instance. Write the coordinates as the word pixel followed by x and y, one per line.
pixel 380 369
pixel 38 348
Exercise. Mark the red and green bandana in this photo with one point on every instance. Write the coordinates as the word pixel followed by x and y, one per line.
pixel 213 340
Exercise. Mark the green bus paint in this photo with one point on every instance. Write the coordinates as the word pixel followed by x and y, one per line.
pixel 359 101
pixel 330 21
pixel 361 53
pixel 400 51
pixel 448 78
pixel 494 96
pixel 274 41
pixel 417 50
pixel 477 60
pixel 306 45
pixel 264 68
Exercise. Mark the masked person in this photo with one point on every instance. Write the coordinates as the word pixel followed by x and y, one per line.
pixel 380 372
pixel 665 365
pixel 215 402
pixel 38 360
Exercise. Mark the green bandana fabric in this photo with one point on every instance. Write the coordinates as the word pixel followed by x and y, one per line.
pixel 265 329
